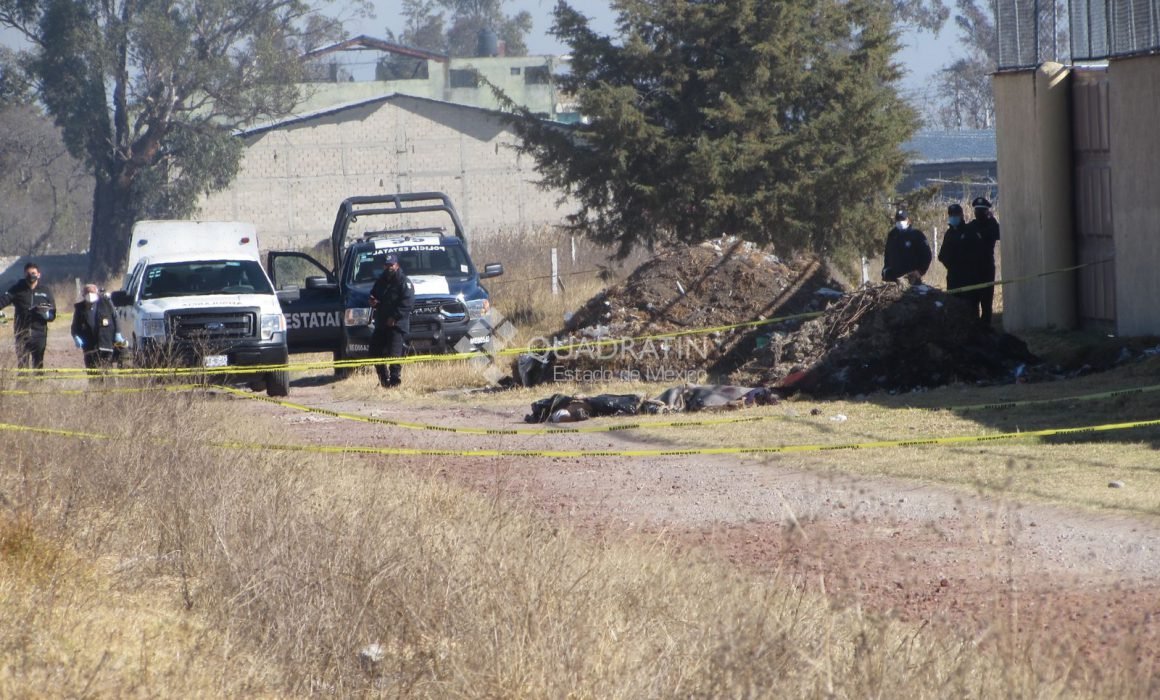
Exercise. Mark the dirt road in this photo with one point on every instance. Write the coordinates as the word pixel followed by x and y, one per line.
pixel 919 552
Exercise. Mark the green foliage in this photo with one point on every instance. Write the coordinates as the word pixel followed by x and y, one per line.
pixel 147 93
pixel 453 26
pixel 775 121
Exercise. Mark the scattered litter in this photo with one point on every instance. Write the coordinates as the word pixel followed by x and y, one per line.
pixel 1115 484
pixel 838 417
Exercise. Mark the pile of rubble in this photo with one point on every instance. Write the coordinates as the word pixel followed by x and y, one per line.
pixel 887 337
pixel 714 284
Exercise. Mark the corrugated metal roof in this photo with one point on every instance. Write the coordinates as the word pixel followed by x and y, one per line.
pixel 952 146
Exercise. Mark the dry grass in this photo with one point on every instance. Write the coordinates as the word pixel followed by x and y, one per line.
pixel 154 565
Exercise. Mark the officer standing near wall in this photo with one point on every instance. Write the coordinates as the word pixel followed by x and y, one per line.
pixel 982 234
pixel 392 297
pixel 34 308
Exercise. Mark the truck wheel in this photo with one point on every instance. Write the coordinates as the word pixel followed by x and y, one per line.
pixel 341 372
pixel 278 383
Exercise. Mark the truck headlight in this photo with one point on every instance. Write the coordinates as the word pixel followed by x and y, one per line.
pixel 271 324
pixel 357 317
pixel 477 308
pixel 153 327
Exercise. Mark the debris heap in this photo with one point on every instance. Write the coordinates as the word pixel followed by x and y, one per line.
pixel 887 337
pixel 714 284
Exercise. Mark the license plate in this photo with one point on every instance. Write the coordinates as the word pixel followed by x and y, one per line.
pixel 215 361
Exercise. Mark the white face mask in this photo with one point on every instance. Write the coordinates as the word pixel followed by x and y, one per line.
pixel 902 225
pixel 91 297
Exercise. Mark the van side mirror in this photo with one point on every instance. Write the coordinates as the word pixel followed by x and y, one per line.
pixel 491 270
pixel 121 298
pixel 289 293
pixel 319 282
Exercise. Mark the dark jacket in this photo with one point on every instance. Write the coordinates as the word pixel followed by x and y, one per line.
pixel 968 253
pixel 98 333
pixel 396 296
pixel 34 308
pixel 906 251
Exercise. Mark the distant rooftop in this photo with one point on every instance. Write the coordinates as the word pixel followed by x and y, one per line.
pixel 951 146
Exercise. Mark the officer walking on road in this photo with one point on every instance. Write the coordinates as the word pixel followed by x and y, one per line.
pixel 34 309
pixel 94 328
pixel 392 297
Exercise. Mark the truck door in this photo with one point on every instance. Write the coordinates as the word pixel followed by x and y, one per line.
pixel 314 320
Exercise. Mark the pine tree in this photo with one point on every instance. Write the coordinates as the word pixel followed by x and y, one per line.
pixel 774 120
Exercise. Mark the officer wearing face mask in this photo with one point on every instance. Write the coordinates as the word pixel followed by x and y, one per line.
pixel 34 308
pixel 907 252
pixel 94 328
pixel 956 253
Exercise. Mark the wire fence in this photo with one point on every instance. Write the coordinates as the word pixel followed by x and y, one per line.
pixel 1109 28
pixel 1033 31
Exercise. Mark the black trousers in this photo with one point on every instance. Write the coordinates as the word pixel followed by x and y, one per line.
pixel 388 341
pixel 30 349
pixel 99 359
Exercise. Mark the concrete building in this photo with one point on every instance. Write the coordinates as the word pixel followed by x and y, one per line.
pixel 1078 153
pixel 296 171
pixel 364 67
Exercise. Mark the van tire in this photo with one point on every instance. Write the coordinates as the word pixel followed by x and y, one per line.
pixel 278 383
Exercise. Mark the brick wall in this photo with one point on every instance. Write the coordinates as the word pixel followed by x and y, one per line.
pixel 293 177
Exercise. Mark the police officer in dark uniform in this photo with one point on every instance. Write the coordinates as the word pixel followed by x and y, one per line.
pixel 955 251
pixel 907 252
pixel 34 309
pixel 983 234
pixel 94 328
pixel 392 297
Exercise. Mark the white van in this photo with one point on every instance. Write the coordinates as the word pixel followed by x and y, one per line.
pixel 196 295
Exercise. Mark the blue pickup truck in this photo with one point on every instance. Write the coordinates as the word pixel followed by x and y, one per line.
pixel 332 312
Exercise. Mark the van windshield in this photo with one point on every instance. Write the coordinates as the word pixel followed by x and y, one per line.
pixel 426 259
pixel 178 279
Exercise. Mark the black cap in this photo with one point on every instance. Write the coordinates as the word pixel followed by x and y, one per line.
pixel 390 259
pixel 981 203
pixel 955 208
pixel 901 215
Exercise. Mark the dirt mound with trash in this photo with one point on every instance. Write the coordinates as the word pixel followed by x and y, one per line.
pixel 712 285
pixel 810 336
pixel 889 337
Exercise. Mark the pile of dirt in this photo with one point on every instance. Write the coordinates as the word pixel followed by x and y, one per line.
pixel 714 284
pixel 888 337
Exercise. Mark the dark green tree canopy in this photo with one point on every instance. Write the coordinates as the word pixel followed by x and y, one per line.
pixel 774 120
pixel 147 92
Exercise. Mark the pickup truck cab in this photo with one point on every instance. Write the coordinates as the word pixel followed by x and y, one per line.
pixel 196 295
pixel 332 311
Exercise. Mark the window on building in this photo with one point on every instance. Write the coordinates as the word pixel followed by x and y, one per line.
pixel 537 75
pixel 515 70
pixel 464 78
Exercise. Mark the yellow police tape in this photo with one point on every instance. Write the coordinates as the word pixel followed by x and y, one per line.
pixel 686 423
pixel 105 390
pixel 49 373
pixel 660 452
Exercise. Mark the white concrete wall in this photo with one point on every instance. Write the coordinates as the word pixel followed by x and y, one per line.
pixel 1134 105
pixel 1033 139
pixel 293 178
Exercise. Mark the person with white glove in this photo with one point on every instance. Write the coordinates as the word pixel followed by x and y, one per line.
pixel 94 328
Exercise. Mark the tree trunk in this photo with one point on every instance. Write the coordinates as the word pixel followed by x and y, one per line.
pixel 111 230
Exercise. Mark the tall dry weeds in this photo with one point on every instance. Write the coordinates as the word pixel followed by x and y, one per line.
pixel 156 564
